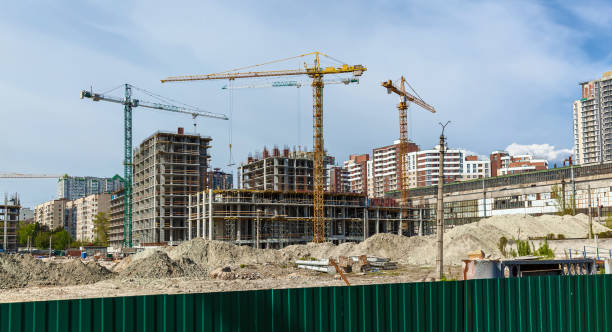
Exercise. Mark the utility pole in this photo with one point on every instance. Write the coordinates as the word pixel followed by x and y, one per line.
pixel 440 207
pixel 590 213
pixel 5 222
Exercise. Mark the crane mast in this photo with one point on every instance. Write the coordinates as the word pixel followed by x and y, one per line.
pixel 402 108
pixel 128 103
pixel 316 72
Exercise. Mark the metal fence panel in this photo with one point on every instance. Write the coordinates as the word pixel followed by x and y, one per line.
pixel 552 303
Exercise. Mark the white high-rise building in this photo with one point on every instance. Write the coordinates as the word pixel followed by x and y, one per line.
pixel 593 121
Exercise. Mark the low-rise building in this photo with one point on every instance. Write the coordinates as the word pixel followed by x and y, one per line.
pixel 522 164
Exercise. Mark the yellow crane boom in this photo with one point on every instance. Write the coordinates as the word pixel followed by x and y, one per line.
pixel 402 107
pixel 316 72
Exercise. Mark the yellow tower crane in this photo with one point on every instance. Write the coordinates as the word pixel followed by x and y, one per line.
pixel 316 72
pixel 402 107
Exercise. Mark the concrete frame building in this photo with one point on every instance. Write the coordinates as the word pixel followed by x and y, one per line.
pixel 280 171
pixel 9 219
pixel 593 121
pixel 275 219
pixel 115 232
pixel 168 167
pixel 74 187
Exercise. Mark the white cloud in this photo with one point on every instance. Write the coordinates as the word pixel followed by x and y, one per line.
pixel 545 151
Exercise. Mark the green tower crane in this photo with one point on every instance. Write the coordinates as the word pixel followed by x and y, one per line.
pixel 128 102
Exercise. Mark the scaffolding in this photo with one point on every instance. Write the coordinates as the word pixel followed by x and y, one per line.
pixel 275 219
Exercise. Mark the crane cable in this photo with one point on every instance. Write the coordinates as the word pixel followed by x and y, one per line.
pixel 231 120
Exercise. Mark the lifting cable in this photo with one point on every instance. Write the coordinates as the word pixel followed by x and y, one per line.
pixel 231 122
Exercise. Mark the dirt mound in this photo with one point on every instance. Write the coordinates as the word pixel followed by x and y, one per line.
pixel 483 235
pixel 22 271
pixel 218 253
pixel 157 264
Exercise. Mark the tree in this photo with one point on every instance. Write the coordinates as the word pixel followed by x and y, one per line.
pixel 101 226
pixel 41 240
pixel 564 207
pixel 61 239
pixel 26 231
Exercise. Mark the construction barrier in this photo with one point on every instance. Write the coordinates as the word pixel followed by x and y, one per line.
pixel 551 303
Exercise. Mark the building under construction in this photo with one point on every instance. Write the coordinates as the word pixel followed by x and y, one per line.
pixel 279 170
pixel 275 219
pixel 9 218
pixel 168 167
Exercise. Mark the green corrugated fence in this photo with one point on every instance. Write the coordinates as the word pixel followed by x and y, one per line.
pixel 553 303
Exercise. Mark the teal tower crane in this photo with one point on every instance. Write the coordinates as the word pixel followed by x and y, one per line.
pixel 128 103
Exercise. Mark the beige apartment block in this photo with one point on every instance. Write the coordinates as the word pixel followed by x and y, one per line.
pixel 83 212
pixel 51 213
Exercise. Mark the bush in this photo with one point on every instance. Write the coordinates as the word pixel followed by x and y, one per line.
pixel 605 235
pixel 560 237
pixel 523 248
pixel 544 251
pixel 501 245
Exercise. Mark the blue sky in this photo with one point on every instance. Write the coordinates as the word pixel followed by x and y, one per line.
pixel 504 73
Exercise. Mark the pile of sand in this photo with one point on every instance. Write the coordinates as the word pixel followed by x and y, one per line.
pixel 483 235
pixel 22 271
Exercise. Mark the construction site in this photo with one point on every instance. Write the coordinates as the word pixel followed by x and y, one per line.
pixel 275 219
pixel 290 225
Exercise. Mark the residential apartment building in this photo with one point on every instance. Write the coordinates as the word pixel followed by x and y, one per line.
pixel 9 219
pixel 74 187
pixel 521 164
pixel 385 170
pixel 280 170
pixel 81 213
pixel 593 121
pixel 428 166
pixel 51 213
pixel 115 231
pixel 336 179
pixel 370 177
pixel 474 168
pixel 357 173
pixel 26 215
pixel 218 179
pixel 167 168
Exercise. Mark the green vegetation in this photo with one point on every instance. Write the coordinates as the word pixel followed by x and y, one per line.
pixel 501 245
pixel 101 226
pixel 544 250
pixel 27 231
pixel 523 248
pixel 564 206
